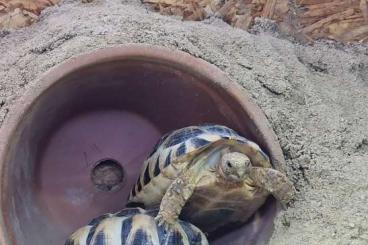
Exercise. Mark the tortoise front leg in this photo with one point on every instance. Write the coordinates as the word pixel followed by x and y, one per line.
pixel 180 190
pixel 274 182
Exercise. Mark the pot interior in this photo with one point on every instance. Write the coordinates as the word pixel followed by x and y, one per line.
pixel 80 146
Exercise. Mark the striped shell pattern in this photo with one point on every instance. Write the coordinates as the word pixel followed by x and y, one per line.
pixel 174 149
pixel 135 226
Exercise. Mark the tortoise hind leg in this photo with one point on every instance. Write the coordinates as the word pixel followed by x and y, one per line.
pixel 274 182
pixel 180 190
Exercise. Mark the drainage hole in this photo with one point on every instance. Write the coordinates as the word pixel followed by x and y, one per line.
pixel 107 175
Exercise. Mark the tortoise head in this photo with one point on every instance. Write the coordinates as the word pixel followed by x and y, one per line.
pixel 234 166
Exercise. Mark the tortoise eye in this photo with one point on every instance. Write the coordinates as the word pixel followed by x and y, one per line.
pixel 229 164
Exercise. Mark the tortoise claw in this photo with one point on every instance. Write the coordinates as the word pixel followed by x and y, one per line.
pixel 286 193
pixel 163 223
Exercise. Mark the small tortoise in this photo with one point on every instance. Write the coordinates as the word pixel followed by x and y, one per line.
pixel 135 226
pixel 210 175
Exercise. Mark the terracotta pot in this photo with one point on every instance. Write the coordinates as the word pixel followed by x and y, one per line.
pixel 111 106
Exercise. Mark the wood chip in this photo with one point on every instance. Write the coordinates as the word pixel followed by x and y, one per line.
pixel 319 24
pixel 309 2
pixel 269 9
pixel 342 20
pixel 21 13
pixel 364 8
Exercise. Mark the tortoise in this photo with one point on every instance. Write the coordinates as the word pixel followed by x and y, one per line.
pixel 210 175
pixel 135 226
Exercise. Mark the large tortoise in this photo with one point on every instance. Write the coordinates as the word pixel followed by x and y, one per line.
pixel 210 175
pixel 135 226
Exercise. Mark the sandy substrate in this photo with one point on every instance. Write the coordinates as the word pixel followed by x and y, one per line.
pixel 316 98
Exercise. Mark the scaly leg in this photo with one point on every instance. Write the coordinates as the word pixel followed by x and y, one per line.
pixel 274 182
pixel 180 190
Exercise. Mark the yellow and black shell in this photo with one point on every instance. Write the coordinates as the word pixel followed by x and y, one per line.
pixel 135 226
pixel 174 151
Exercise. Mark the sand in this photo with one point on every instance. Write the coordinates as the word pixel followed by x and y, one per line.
pixel 316 98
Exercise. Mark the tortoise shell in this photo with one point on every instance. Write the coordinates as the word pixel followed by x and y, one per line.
pixel 174 151
pixel 135 226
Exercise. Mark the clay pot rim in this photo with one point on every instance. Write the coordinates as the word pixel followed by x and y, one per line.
pixel 157 54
